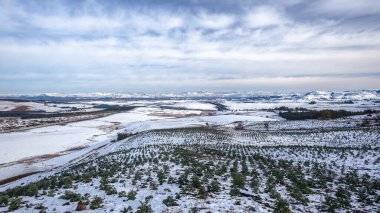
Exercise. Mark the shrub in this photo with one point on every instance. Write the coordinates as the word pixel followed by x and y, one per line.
pixel 153 185
pixel 148 198
pixel 67 183
pixel 182 180
pixel 144 208
pixel 51 193
pixel 193 210
pixel 255 184
pixel 71 196
pixel 122 194
pixel 274 194
pixel 238 180
pixel 161 176
pixel 96 203
pixel 41 207
pixel 239 126
pixel 281 206
pixel 127 210
pixel 195 181
pixel 170 201
pixel 362 195
pixel 343 197
pixel 202 192
pixel 122 136
pixel 110 190
pixel 14 203
pixel 214 186
pixel 296 194
pixel 31 190
pixel 244 168
pixel 330 204
pixel 4 200
pixel 131 195
pixel 234 191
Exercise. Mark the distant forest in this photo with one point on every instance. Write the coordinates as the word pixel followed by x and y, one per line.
pixel 304 114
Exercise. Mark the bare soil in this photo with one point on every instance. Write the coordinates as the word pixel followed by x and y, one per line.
pixel 22 108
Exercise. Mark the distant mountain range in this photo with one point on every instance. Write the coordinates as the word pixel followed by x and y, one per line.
pixel 357 95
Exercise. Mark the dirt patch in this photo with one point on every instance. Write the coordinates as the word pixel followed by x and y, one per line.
pixel 75 148
pixel 14 125
pixel 110 127
pixel 32 160
pixel 207 113
pixel 39 158
pixel 11 179
pixel 36 159
pixel 21 108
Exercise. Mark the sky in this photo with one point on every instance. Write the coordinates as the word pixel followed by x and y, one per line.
pixel 191 45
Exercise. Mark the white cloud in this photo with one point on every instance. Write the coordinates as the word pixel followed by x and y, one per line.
pixel 215 21
pixel 146 44
pixel 264 16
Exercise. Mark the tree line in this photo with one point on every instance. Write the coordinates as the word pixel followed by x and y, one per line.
pixel 293 114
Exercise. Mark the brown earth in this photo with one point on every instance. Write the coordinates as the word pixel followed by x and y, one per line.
pixel 11 179
pixel 21 108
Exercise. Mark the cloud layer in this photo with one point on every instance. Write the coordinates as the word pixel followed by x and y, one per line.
pixel 57 46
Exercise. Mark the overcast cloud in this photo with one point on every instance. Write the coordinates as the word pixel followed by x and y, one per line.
pixel 146 46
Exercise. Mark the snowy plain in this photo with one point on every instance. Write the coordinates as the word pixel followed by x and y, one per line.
pixel 20 151
pixel 51 149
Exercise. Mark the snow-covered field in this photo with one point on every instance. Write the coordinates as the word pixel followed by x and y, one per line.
pixel 246 158
pixel 206 169
pixel 37 144
pixel 195 105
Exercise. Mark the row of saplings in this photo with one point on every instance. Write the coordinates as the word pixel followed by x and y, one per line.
pixel 83 201
pixel 195 184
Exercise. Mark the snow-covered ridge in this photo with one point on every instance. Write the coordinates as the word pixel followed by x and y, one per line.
pixel 373 94
pixel 345 95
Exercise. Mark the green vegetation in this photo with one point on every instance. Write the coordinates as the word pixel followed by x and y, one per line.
pixel 14 203
pixel 123 135
pixel 278 178
pixel 303 114
pixel 281 206
pixel 96 203
pixel 131 195
pixel 170 201
pixel 4 200
pixel 144 208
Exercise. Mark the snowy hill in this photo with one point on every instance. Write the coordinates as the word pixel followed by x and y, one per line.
pixel 345 95
pixel 308 96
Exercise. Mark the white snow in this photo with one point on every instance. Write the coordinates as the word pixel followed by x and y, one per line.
pixel 25 145
pixel 52 139
pixel 192 121
pixel 18 146
pixel 195 105
pixel 99 132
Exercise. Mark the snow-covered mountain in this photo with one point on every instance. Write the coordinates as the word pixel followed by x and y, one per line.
pixel 359 95
pixel 344 96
